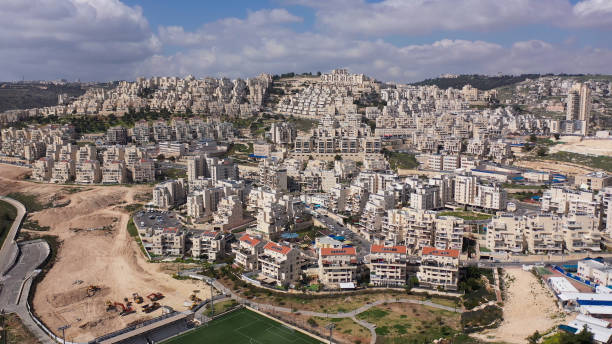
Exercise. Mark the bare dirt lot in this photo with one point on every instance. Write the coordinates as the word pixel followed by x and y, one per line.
pixel 595 147
pixel 530 307
pixel 555 166
pixel 96 249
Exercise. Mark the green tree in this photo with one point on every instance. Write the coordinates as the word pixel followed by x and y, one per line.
pixel 338 157
pixel 534 338
pixel 557 136
pixel 533 138
pixel 542 151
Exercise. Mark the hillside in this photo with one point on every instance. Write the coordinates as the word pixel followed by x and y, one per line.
pixel 34 95
pixel 481 82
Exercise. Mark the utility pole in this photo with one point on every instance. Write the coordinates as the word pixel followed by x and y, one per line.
pixel 330 327
pixel 63 329
pixel 4 333
pixel 212 301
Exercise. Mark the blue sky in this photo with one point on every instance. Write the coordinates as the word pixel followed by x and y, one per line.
pixel 392 40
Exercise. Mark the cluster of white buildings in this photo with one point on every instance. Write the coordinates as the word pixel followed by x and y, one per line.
pixel 181 130
pixel 339 267
pixel 208 96
pixel 82 165
pixel 349 137
pixel 333 93
pixel 571 220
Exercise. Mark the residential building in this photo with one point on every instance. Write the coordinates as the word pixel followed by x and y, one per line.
pixel 388 265
pixel 248 252
pixel 337 266
pixel 439 269
pixel 279 264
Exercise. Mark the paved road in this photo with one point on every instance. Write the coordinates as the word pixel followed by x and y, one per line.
pixel 17 281
pixel 9 250
pixel 18 265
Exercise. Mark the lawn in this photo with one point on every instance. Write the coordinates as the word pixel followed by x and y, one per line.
pixel 243 327
pixel 303 124
pixel 222 306
pixel 466 215
pixel 410 323
pixel 401 160
pixel 324 303
pixel 7 215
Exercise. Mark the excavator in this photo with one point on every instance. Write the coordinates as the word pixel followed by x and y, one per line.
pixel 137 298
pixel 124 310
pixel 155 296
pixel 148 308
pixel 91 290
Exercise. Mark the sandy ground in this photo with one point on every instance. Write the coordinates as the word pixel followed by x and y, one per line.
pixel 554 166
pixel 596 147
pixel 530 307
pixel 109 259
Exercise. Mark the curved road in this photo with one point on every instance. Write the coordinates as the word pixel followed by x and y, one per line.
pixel 17 275
pixel 9 251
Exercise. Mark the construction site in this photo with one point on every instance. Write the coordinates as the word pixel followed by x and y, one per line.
pixel 99 282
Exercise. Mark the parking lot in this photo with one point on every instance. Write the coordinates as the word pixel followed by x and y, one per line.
pixel 156 219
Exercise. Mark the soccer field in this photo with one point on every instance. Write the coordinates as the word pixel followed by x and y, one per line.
pixel 243 327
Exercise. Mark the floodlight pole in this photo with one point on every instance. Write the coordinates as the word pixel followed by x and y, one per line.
pixel 63 329
pixel 330 327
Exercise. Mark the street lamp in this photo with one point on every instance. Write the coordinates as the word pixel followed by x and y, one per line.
pixel 330 327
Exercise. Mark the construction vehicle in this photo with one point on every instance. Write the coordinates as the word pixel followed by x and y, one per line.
pixel 128 310
pixel 110 306
pixel 155 296
pixel 124 310
pixel 150 308
pixel 137 298
pixel 91 290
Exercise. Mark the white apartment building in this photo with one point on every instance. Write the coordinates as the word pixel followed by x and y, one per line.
pixel 248 252
pixel 229 214
pixel 63 171
pixel 279 264
pixel 42 169
pixel 142 171
pixel 209 245
pixel 169 193
pixel 336 266
pixel 439 269
pixel 388 265
pixel 88 172
pixel 168 241
pixel 114 172
pixel 505 234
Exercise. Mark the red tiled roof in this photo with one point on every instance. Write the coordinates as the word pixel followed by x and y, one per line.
pixel 387 249
pixel 250 240
pixel 443 253
pixel 170 230
pixel 347 251
pixel 277 248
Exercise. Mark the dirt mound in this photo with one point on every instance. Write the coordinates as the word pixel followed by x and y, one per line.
pixel 75 296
